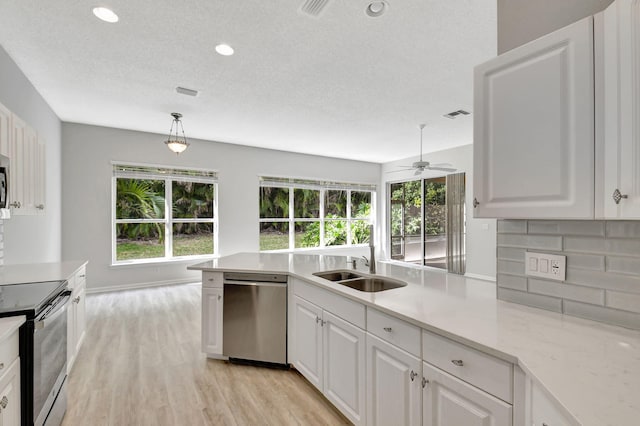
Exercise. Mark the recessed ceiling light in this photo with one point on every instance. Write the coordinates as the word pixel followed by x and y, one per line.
pixel 105 14
pixel 224 49
pixel 376 8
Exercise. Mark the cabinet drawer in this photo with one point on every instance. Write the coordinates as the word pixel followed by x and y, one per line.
pixel 8 351
pixel 340 306
pixel 491 374
pixel 394 330
pixel 212 279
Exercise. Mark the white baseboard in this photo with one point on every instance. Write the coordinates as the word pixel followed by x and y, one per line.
pixel 136 286
pixel 481 277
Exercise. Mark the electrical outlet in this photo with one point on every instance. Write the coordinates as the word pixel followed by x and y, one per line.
pixel 550 266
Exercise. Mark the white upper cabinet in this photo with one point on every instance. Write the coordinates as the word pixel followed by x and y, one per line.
pixel 5 130
pixel 534 128
pixel 621 87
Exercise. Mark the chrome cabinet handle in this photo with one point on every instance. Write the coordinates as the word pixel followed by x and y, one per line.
pixel 1 365
pixel 457 362
pixel 322 323
pixel 425 382
pixel 413 375
pixel 40 207
pixel 387 329
pixel 617 196
pixel 82 276
pixel 76 300
pixel 318 319
pixel 15 204
pixel 4 402
pixel 219 297
pixel 476 203
pixel 210 279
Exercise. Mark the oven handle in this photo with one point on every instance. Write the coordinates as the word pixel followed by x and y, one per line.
pixel 60 308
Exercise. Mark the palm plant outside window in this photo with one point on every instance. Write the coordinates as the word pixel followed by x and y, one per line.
pixel 163 213
pixel 297 213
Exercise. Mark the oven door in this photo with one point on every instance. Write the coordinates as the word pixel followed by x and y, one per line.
pixel 49 356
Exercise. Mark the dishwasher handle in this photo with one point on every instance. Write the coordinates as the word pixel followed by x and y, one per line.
pixel 255 283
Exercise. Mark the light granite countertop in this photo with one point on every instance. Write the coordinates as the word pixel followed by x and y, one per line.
pixel 38 272
pixel 592 369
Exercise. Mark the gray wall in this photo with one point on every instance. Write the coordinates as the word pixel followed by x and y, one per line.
pixel 520 21
pixel 87 153
pixel 33 239
pixel 603 268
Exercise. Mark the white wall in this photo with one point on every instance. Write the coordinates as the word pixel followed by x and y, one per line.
pixel 33 239
pixel 87 152
pixel 520 21
pixel 481 233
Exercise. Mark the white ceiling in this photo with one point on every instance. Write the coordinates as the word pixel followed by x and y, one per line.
pixel 341 85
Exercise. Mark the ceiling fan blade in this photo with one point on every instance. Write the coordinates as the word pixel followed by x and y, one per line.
pixel 441 165
pixel 399 170
pixel 442 169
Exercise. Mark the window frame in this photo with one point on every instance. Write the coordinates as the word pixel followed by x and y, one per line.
pixel 168 221
pixel 322 187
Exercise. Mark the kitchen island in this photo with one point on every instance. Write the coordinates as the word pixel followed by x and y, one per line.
pixel 590 369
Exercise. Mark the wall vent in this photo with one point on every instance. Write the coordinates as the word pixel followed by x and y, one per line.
pixel 313 7
pixel 185 91
pixel 455 114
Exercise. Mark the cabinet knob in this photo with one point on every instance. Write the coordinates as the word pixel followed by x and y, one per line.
pixel 413 375
pixel 425 382
pixel 82 276
pixel 219 297
pixel 4 402
pixel 40 207
pixel 76 300
pixel 476 203
pixel 1 365
pixel 387 329
pixel 457 362
pixel 617 196
pixel 15 204
pixel 318 319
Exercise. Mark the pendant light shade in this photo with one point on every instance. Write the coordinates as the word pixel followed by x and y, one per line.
pixel 176 142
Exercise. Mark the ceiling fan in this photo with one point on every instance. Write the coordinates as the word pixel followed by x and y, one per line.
pixel 421 166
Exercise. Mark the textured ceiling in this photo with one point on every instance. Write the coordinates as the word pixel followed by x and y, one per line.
pixel 342 84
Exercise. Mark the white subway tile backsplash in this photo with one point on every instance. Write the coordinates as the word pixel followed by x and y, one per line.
pixel 603 268
pixel 513 282
pixel 530 299
pixel 567 227
pixel 625 301
pixel 602 314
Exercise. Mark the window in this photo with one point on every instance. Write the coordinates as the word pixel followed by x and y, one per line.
pixel 163 213
pixel 426 222
pixel 296 213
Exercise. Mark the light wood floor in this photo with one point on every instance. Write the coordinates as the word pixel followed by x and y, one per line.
pixel 141 365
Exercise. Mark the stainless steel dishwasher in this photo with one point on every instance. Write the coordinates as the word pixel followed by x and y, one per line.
pixel 255 317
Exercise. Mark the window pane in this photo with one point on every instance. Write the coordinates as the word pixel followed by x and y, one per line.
pixel 307 234
pixel 335 203
pixel 360 204
pixel 274 236
pixel 192 199
pixel 306 203
pixel 335 232
pixel 191 239
pixel 274 202
pixel 139 199
pixel 360 232
pixel 139 241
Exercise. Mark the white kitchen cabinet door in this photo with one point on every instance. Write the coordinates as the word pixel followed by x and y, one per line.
pixel 10 395
pixel 622 110
pixel 307 357
pixel 80 317
pixel 5 131
pixel 534 136
pixel 212 300
pixel 393 385
pixel 40 179
pixel 76 316
pixel 448 401
pixel 16 170
pixel 343 355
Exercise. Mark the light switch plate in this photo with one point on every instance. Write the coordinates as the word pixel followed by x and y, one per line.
pixel 549 266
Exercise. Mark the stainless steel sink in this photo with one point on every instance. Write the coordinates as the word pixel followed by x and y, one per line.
pixel 360 282
pixel 371 285
pixel 339 275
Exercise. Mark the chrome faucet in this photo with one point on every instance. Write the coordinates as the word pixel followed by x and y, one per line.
pixel 372 253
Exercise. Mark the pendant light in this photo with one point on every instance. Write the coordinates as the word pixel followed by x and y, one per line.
pixel 175 142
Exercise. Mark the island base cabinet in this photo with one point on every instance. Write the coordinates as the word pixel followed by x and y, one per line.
pixel 76 316
pixel 212 299
pixel 343 365
pixel 393 385
pixel 10 395
pixel 448 401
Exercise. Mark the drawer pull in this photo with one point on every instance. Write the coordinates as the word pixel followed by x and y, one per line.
pixel 318 320
pixel 413 375
pixel 387 329
pixel 1 365
pixel 425 382
pixel 82 276
pixel 457 362
pixel 4 402
pixel 211 279
pixel 219 297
